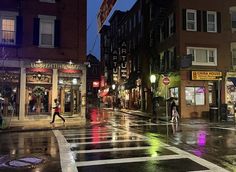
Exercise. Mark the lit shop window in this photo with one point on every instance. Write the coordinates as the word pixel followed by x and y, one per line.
pixel 174 92
pixel 195 95
pixel 8 30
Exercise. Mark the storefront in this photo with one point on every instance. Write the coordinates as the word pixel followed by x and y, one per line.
pixel 199 92
pixel 34 86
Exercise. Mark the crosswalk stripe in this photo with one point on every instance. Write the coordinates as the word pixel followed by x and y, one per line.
pixel 110 141
pixel 113 149
pixel 126 160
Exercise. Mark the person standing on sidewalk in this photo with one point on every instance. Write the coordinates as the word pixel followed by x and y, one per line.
pixel 57 110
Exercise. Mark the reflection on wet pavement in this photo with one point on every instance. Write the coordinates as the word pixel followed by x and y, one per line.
pixel 119 142
pixel 29 151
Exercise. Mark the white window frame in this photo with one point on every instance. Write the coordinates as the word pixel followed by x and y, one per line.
pixel 8 15
pixel 233 49
pixel 171 24
pixel 215 22
pixel 195 101
pixel 48 1
pixel 208 63
pixel 233 12
pixel 191 21
pixel 49 19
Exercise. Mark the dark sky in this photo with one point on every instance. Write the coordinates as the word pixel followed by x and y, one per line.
pixel 93 37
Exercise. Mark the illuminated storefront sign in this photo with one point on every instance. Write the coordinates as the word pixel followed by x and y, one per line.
pixel 123 65
pixel 55 66
pixel 95 84
pixel 115 65
pixel 206 75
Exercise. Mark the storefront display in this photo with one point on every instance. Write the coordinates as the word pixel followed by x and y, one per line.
pixel 195 95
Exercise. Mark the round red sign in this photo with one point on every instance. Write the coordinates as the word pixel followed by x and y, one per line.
pixel 166 81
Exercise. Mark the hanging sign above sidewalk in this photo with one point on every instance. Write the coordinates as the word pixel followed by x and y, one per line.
pixel 206 75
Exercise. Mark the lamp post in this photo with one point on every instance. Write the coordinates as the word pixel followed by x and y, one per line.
pixel 153 81
pixel 114 95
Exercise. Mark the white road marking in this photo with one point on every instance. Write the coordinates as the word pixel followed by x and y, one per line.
pixel 127 160
pixel 223 128
pixel 110 141
pixel 67 160
pixel 203 162
pixel 67 155
pixel 113 149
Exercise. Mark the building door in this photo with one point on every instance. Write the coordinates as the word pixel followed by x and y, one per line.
pixel 70 99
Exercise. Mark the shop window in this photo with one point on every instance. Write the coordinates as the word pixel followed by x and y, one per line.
pixel 203 56
pixel 195 95
pixel 174 92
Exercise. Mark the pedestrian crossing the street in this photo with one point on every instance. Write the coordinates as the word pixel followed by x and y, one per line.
pixel 110 149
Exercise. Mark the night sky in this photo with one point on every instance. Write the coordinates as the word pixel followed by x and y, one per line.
pixel 93 37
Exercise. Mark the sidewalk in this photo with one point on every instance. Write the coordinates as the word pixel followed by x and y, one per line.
pixel 182 121
pixel 36 125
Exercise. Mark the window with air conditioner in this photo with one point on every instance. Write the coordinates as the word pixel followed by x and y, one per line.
pixel 203 56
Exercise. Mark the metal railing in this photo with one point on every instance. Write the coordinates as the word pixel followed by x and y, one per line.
pixel 7 37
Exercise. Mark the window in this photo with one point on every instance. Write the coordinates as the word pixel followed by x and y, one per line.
pixel 211 21
pixel 234 57
pixel 233 18
pixel 191 20
pixel 48 1
pixel 203 56
pixel 151 12
pixel 162 30
pixel 46 31
pixel 171 24
pixel 8 28
pixel 174 92
pixel 195 95
pixel 139 16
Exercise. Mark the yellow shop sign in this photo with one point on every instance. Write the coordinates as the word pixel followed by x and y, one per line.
pixel 206 75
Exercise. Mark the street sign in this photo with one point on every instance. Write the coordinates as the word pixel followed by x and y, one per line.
pixel 166 81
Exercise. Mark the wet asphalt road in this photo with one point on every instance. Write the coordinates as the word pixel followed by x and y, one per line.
pixel 118 142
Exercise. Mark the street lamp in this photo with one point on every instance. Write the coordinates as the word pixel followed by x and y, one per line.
pixel 153 81
pixel 113 86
